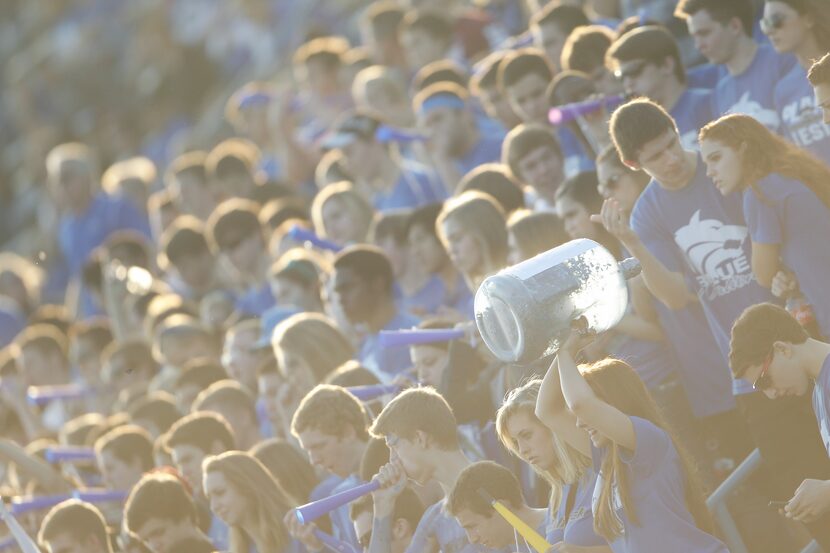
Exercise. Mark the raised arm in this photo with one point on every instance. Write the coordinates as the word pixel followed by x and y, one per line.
pixel 590 409
pixel 553 412
pixel 41 471
pixel 667 286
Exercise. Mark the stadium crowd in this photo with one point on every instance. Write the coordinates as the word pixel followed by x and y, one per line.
pixel 218 215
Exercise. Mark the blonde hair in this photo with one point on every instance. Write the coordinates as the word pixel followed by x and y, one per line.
pixel 350 199
pixel 267 501
pixel 570 464
pixel 480 215
pixel 316 339
pixel 139 168
pixel 535 232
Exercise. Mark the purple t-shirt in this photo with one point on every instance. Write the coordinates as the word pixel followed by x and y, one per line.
pixel 656 485
pixel 821 402
pixel 791 216
pixel 801 119
pixel 576 527
pixel 751 92
pixel 699 233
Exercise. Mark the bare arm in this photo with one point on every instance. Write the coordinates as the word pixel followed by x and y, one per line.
pixel 552 411
pixel 765 262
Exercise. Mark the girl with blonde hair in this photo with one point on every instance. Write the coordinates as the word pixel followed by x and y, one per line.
pixel 473 230
pixel 242 493
pixel 566 470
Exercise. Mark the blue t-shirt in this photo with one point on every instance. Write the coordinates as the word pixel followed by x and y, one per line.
pixel 576 527
pixel 656 485
pixel 574 155
pixel 486 150
pixel 801 119
pixel 434 295
pixel 341 523
pixel 386 362
pixel 691 112
pixel 752 92
pixel 821 402
pixel 415 187
pixel 219 533
pixel 699 233
pixel 791 216
pixel 705 75
pixel 79 235
pixel 255 300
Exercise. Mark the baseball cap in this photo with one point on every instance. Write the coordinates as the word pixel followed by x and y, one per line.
pixel 350 127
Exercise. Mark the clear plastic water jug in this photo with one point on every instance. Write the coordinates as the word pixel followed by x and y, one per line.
pixel 523 312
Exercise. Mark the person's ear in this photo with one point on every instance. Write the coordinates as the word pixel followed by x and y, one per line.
pixel 784 348
pixel 422 439
pixel 401 529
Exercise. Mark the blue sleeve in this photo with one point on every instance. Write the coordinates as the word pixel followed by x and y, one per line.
pixel 764 226
pixel 652 445
pixel 129 218
pixel 659 243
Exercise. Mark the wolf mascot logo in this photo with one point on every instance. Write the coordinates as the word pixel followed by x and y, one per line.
pixel 715 251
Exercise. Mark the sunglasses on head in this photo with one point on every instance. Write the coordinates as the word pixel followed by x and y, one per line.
pixel 773 22
pixel 632 71
pixel 764 381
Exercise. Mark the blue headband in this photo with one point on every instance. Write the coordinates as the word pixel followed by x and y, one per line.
pixel 441 100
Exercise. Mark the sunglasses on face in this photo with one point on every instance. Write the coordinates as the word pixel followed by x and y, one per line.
pixel 764 381
pixel 632 71
pixel 773 22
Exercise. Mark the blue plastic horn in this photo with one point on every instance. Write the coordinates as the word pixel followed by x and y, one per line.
pixel 314 510
pixel 394 338
pixel 41 395
pixel 299 234
pixel 368 393
pixel 333 543
pixel 27 503
pixel 68 454
pixel 386 134
pixel 566 113
pixel 100 496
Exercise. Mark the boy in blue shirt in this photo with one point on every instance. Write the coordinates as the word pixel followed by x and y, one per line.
pixel 364 287
pixel 770 348
pixel 722 32
pixel 456 140
pixel 647 61
pixel 390 181
pixel 235 234
pixel 330 425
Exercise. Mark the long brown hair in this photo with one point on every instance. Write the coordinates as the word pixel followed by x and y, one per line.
pixel 764 152
pixel 268 502
pixel 616 383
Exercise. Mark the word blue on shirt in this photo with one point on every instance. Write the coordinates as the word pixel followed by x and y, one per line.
pixel 821 402
pixel 656 484
pixel 752 92
pixel 415 187
pixel 699 233
pixel 691 112
pixel 79 235
pixel 792 217
pixel 576 527
pixel 801 118
pixel 386 362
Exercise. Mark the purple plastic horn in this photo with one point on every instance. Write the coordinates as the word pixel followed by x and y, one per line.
pixel 28 503
pixel 387 133
pixel 69 453
pixel 100 496
pixel 368 393
pixel 560 115
pixel 40 395
pixel 299 234
pixel 333 543
pixel 314 510
pixel 393 338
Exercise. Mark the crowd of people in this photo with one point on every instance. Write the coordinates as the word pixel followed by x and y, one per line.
pixel 217 215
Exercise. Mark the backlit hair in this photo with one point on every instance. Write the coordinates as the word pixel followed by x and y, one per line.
pixel 418 410
pixel 304 333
